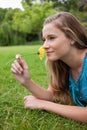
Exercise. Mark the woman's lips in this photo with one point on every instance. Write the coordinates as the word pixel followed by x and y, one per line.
pixel 49 52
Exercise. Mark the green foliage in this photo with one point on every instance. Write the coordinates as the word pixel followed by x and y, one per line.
pixel 2 14
pixel 13 115
pixel 68 5
pixel 5 33
pixel 21 22
pixel 31 19
pixel 65 5
pixel 20 26
pixel 8 36
pixel 28 2
pixel 82 16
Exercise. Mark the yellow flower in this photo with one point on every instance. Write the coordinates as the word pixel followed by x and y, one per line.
pixel 41 52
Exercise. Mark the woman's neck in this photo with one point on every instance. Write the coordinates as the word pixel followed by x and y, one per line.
pixel 75 62
pixel 75 59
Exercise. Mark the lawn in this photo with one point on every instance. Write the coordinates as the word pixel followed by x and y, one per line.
pixel 13 115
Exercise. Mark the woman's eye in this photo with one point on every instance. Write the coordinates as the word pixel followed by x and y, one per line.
pixel 48 38
pixel 51 38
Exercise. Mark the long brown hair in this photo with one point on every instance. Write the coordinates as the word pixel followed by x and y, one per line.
pixel 58 70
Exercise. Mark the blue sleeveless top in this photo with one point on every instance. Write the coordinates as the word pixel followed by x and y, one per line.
pixel 78 89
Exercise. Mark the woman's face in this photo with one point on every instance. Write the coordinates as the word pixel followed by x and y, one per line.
pixel 56 44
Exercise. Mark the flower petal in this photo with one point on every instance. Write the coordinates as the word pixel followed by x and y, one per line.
pixel 41 52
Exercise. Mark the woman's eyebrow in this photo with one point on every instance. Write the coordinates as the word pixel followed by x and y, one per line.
pixel 50 35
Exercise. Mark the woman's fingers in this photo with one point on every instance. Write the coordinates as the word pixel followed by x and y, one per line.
pixel 19 65
pixel 13 71
pixel 16 67
pixel 25 97
pixel 29 102
pixel 32 102
pixel 21 61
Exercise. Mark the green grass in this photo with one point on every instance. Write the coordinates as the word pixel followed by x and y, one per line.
pixel 13 116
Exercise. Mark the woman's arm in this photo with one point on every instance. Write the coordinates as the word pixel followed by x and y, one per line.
pixel 72 112
pixel 21 72
pixel 38 91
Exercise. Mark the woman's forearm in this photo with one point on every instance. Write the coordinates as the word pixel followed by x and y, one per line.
pixel 38 91
pixel 72 112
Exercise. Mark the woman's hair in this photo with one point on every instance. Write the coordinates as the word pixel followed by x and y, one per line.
pixel 58 70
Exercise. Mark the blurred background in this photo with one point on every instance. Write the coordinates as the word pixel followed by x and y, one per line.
pixel 23 24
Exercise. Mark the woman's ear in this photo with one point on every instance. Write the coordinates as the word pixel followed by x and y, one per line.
pixel 72 42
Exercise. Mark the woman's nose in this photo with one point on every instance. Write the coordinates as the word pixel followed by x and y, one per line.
pixel 45 45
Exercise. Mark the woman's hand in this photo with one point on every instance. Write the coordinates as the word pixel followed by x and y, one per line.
pixel 33 102
pixel 20 70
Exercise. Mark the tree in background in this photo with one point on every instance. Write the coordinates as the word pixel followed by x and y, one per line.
pixel 65 5
pixel 8 36
pixel 20 26
pixel 2 14
pixel 83 5
pixel 30 21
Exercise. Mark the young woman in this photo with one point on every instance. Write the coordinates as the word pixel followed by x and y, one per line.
pixel 65 43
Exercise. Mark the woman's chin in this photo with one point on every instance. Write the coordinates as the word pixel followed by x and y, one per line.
pixel 52 59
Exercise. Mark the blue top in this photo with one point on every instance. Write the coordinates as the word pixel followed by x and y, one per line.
pixel 78 89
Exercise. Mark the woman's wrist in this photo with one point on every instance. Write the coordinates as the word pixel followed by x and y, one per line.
pixel 44 104
pixel 27 82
